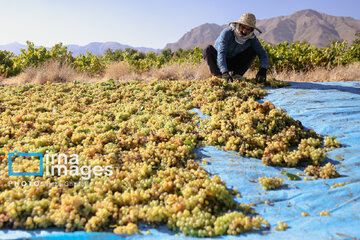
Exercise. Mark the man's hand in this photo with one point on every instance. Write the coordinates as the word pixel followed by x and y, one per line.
pixel 261 75
pixel 227 77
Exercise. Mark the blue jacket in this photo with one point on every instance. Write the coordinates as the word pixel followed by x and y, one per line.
pixel 227 47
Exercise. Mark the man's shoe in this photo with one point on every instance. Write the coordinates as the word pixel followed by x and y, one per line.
pixel 237 77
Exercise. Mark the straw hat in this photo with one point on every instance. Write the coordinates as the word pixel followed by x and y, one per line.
pixel 249 20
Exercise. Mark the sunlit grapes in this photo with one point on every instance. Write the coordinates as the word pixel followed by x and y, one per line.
pixel 147 132
pixel 271 183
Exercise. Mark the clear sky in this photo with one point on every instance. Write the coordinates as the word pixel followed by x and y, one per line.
pixel 139 23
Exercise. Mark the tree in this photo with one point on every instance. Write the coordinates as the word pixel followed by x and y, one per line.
pixel 167 54
pixel 357 40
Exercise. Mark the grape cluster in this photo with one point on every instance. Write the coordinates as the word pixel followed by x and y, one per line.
pixel 236 222
pixel 326 172
pixel 130 228
pixel 281 226
pixel 271 183
pixel 336 185
pixel 331 142
pixel 324 213
pixel 304 214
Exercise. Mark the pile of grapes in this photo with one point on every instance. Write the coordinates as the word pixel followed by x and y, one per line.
pixel 271 183
pixel 238 122
pixel 147 133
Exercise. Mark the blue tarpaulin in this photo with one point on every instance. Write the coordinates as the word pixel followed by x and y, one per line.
pixel 328 108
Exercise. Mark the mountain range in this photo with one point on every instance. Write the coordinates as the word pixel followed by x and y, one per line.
pixel 316 28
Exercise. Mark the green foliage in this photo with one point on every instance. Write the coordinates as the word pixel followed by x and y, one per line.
pixel 357 40
pixel 296 56
pixel 144 62
pixel 89 63
pixel 167 54
pixel 7 67
pixel 61 54
pixel 114 56
pixel 32 56
pixel 301 56
pixel 11 65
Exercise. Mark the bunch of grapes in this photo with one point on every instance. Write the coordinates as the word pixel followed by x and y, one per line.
pixel 281 226
pixel 326 172
pixel 271 183
pixel 331 142
pixel 236 222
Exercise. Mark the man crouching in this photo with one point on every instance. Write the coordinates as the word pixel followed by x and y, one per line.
pixel 235 49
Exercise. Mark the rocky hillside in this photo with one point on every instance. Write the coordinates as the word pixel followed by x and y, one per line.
pixel 318 29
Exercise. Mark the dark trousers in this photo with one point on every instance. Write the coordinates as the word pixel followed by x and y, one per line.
pixel 238 64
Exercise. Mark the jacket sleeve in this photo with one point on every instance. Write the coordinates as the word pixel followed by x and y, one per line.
pixel 260 51
pixel 222 45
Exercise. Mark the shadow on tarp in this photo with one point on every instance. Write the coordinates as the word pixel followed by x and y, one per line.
pixel 161 232
pixel 56 234
pixel 328 86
